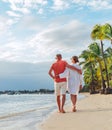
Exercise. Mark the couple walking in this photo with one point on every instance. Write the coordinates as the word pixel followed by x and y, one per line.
pixel 66 76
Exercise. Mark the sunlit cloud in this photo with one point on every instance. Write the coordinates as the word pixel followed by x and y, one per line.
pixel 36 29
pixel 13 14
pixel 40 11
pixel 60 39
pixel 60 4
pixel 19 9
pixel 47 43
pixel 95 4
pixel 4 24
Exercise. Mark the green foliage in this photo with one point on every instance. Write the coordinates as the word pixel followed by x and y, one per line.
pixel 85 88
pixel 97 62
pixel 110 83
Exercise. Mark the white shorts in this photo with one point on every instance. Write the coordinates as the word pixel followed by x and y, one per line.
pixel 60 88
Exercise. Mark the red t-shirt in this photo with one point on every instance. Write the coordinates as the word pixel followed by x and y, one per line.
pixel 59 67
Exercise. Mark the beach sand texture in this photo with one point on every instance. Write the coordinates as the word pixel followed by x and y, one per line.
pixel 94 112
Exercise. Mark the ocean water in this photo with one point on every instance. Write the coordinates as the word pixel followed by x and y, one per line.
pixel 25 112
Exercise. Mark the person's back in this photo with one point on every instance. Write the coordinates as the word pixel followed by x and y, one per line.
pixel 74 74
pixel 59 67
pixel 60 84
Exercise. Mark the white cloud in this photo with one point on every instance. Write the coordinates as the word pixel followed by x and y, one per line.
pixel 30 22
pixel 22 9
pixel 13 14
pixel 25 7
pixel 99 4
pixel 4 25
pixel 67 34
pixel 36 38
pixel 60 4
pixel 10 22
pixel 5 28
pixel 26 1
pixel 68 39
pixel 80 2
pixel 40 11
pixel 71 38
pixel 10 51
pixel 94 4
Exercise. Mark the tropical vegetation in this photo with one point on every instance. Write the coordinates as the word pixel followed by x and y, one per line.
pixel 97 61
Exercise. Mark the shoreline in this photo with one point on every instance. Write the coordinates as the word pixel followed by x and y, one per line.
pixel 81 96
pixel 94 112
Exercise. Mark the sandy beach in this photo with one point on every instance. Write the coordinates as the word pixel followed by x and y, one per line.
pixel 94 112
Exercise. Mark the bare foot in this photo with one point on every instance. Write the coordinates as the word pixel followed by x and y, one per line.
pixel 59 111
pixel 62 111
pixel 74 109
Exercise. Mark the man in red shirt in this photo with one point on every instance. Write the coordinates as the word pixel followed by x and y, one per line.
pixel 60 84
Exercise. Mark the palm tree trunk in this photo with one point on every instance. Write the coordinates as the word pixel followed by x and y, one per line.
pixel 105 64
pixel 102 78
pixel 92 82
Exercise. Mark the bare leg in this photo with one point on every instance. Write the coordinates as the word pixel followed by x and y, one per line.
pixel 63 103
pixel 74 100
pixel 59 103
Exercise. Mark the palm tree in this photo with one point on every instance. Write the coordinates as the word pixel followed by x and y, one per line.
pixel 88 65
pixel 98 33
pixel 109 55
pixel 87 77
pixel 108 32
pixel 96 53
pixel 109 52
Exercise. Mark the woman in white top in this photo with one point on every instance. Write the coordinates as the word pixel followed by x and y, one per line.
pixel 74 78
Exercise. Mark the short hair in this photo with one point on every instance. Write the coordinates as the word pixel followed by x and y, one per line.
pixel 58 55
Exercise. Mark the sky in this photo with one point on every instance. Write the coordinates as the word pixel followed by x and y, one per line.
pixel 32 32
